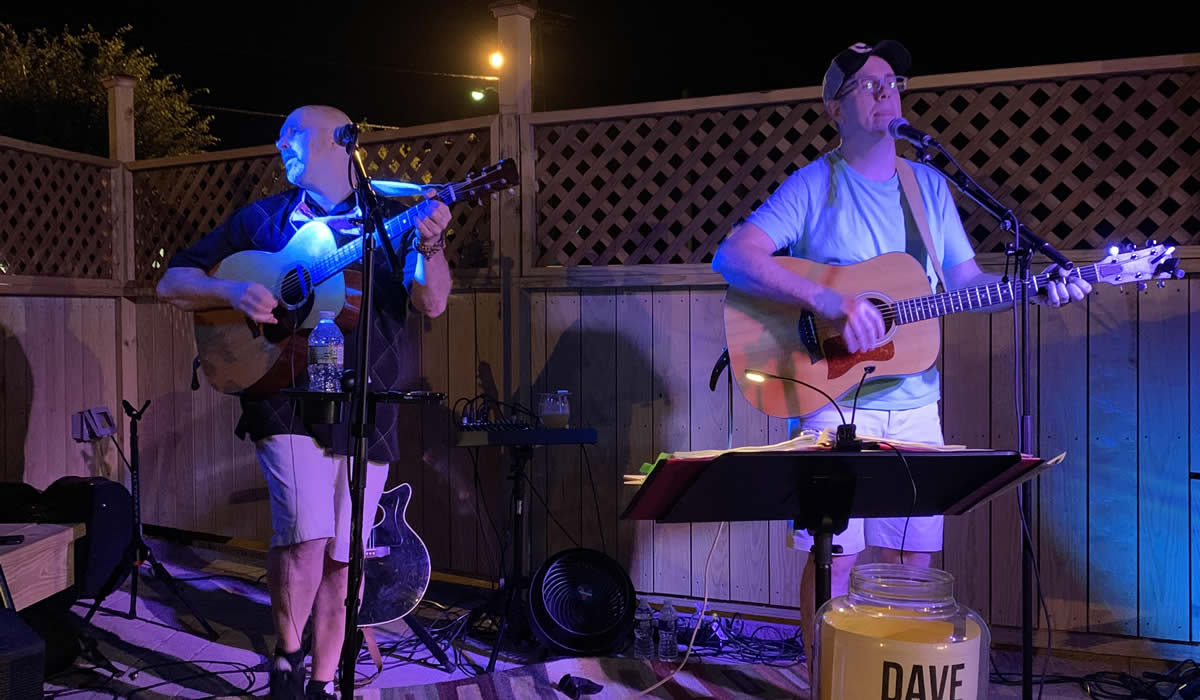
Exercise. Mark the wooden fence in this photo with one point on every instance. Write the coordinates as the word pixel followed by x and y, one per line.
pixel 599 283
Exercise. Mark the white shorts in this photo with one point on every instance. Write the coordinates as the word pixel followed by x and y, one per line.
pixel 310 493
pixel 924 534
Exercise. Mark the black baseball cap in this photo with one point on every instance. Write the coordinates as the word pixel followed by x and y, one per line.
pixel 851 59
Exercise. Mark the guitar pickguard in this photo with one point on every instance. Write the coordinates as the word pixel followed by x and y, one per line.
pixel 841 361
pixel 807 329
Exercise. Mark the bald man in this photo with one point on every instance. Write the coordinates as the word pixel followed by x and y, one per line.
pixel 305 466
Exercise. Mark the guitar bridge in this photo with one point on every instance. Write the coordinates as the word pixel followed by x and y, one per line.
pixel 807 330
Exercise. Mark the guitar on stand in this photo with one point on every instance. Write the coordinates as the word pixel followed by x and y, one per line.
pixel 784 340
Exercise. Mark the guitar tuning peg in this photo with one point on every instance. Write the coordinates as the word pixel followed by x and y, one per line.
pixel 1162 284
pixel 1151 243
pixel 512 190
pixel 495 196
pixel 1129 247
pixel 1141 286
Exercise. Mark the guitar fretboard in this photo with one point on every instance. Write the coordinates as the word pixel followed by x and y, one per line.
pixel 351 253
pixel 973 298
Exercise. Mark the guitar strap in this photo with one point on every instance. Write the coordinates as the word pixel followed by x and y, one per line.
pixel 914 218
pixel 916 225
pixel 368 634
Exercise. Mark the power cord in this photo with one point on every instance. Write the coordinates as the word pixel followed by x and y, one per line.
pixel 1182 681
pixel 696 629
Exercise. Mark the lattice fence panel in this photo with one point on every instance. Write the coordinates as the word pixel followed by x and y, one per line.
pixel 175 206
pixel 1082 162
pixel 56 217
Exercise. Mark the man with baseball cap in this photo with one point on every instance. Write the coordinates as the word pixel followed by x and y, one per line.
pixel 852 204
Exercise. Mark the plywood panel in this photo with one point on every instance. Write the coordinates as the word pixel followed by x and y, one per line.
pixel 636 385
pixel 1162 483
pixel 966 411
pixel 597 408
pixel 17 382
pixel 672 432
pixel 564 475
pixel 435 425
pixel 1006 530
pixel 1112 466
pixel 464 525
pixel 1062 404
pixel 492 492
pixel 710 430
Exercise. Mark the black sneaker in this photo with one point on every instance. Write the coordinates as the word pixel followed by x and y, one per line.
pixel 287 675
pixel 317 690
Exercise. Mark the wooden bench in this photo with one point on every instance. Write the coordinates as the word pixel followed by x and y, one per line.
pixel 43 564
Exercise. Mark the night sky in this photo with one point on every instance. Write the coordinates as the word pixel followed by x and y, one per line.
pixel 379 60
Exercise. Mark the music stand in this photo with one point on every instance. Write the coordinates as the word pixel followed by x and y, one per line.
pixel 822 489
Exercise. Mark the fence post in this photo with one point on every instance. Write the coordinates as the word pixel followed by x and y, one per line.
pixel 121 147
pixel 513 18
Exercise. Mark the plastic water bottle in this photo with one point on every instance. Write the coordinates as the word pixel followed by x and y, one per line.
pixel 668 648
pixel 643 631
pixel 326 355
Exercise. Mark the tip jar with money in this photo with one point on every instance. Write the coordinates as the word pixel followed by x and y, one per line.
pixel 898 633
pixel 554 409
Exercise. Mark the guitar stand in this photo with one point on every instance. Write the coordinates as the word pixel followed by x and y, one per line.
pixel 367 636
pixel 139 551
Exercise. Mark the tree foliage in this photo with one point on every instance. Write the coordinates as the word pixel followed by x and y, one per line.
pixel 51 92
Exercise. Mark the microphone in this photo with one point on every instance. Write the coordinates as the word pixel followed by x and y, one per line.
pixel 846 440
pixel 869 369
pixel 346 135
pixel 847 437
pixel 899 128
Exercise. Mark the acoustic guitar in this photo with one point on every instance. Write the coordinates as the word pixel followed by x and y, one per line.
pixel 240 355
pixel 779 339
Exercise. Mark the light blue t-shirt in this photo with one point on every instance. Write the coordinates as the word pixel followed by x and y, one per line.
pixel 829 213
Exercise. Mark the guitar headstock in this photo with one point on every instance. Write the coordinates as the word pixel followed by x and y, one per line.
pixel 490 180
pixel 1154 262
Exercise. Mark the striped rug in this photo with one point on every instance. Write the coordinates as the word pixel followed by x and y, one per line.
pixel 620 678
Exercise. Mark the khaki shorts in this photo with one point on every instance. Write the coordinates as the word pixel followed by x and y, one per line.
pixel 923 534
pixel 310 493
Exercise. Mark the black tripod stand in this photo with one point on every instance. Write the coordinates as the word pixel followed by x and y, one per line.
pixel 138 550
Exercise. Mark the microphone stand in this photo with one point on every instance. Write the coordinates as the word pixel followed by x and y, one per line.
pixel 1023 255
pixel 372 222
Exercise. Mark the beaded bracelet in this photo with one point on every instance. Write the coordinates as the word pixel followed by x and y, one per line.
pixel 431 249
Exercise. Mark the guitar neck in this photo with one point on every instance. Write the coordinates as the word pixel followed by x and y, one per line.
pixel 974 298
pixel 395 226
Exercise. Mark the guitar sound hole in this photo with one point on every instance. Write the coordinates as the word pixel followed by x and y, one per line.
pixel 295 287
pixel 889 320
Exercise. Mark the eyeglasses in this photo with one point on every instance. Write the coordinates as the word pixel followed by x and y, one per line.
pixel 873 86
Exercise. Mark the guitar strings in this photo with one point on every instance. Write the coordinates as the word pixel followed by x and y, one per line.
pixel 915 307
pixel 351 252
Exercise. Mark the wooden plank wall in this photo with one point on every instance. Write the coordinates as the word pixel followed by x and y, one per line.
pixel 1114 524
pixel 58 355
pixel 1110 387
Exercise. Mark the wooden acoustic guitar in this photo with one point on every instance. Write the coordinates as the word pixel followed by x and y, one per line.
pixel 241 356
pixel 787 341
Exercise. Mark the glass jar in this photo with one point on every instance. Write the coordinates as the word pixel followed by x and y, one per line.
pixel 899 634
pixel 555 409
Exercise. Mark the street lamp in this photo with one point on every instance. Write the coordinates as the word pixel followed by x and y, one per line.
pixel 478 94
pixel 496 59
